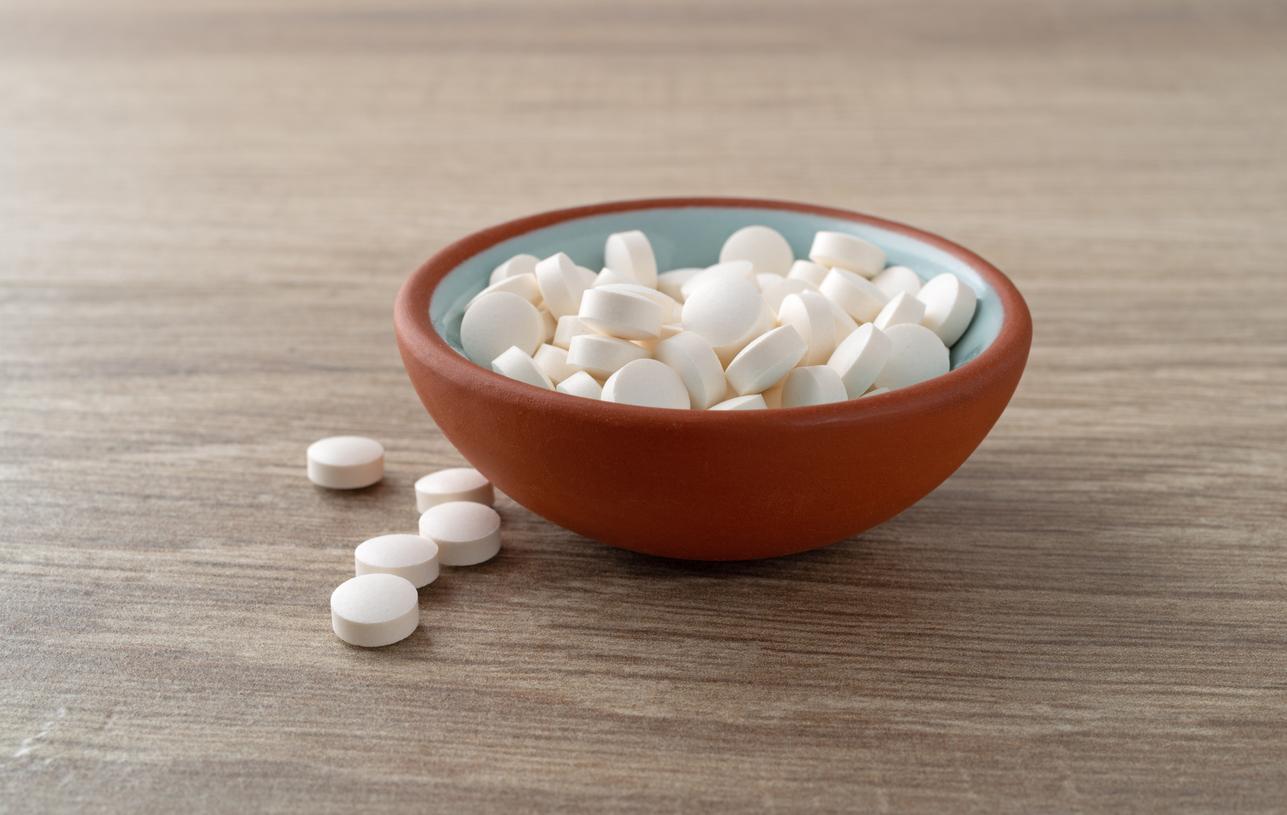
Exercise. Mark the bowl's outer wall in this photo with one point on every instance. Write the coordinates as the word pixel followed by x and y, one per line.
pixel 729 487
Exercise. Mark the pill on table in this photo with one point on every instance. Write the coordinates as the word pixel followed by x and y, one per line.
pixel 524 285
pixel 765 360
pixel 859 358
pixel 630 252
pixel 812 385
pixel 581 384
pixel 618 312
pixel 724 314
pixel 345 462
pixel 897 278
pixel 647 383
pixel 517 265
pixel 692 357
pixel 671 283
pixel 412 557
pixel 466 533
pixel 916 354
pixel 716 276
pixel 776 290
pixel 372 610
pixel 454 484
pixel 949 306
pixel 903 308
pixel 806 271
pixel 763 246
pixel 496 321
pixel 553 362
pixel 517 364
pixel 602 356
pixel 561 284
pixel 752 401
pixel 839 250
pixel 809 313
pixel 568 327
pixel 854 293
pixel 607 276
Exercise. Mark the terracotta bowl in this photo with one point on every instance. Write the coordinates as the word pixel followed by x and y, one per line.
pixel 697 484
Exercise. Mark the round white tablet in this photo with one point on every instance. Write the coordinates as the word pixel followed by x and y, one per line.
pixel 496 321
pixel 345 462
pixel 671 283
pixel 724 314
pixel 454 484
pixel 647 383
pixel 619 312
pixel 517 265
pixel 607 276
pixel 812 385
pixel 845 325
pixel 581 384
pixel 753 401
pixel 516 364
pixel 839 250
pixel 631 252
pixel 553 362
pixel 716 275
pixel 693 358
pixel 372 610
pixel 949 306
pixel 524 285
pixel 466 533
pixel 776 290
pixel 568 327
pixel 670 308
pixel 763 246
pixel 903 308
pixel 854 293
pixel 561 284
pixel 548 324
pixel 916 354
pixel 897 278
pixel 602 356
pixel 809 313
pixel 765 360
pixel 806 271
pixel 412 557
pixel 859 359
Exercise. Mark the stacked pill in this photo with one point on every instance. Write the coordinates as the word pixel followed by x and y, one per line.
pixel 758 329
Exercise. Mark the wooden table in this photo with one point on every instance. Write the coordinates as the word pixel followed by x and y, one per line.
pixel 206 209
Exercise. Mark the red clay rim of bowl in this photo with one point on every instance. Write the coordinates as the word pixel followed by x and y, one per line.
pixel 418 337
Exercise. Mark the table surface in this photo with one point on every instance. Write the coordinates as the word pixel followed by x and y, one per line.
pixel 207 208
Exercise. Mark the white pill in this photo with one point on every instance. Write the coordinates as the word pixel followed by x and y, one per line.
pixel 916 354
pixel 670 308
pixel 372 610
pixel 693 358
pixel 600 355
pixel 453 484
pixel 753 401
pixel 586 276
pixel 874 392
pixel 496 321
pixel 949 306
pixel 671 283
pixel 763 246
pixel 903 308
pixel 854 293
pixel 812 385
pixel 345 462
pixel 412 557
pixel 568 327
pixel 766 360
pixel 524 285
pixel 608 276
pixel 553 362
pixel 859 359
pixel 517 265
pixel 776 290
pixel 562 283
pixel 807 271
pixel 466 533
pixel 724 314
pixel 809 313
pixel 845 325
pixel 773 396
pixel 647 383
pixel 548 324
pixel 630 252
pixel 581 384
pixel 897 278
pixel 716 276
pixel 517 364
pixel 843 251
pixel 619 312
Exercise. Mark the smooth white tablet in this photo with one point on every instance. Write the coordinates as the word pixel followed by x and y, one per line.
pixel 517 265
pixel 581 384
pixel 916 354
pixel 854 293
pixel 717 275
pixel 693 358
pixel 897 278
pixel 372 610
pixel 618 312
pixel 809 313
pixel 568 327
pixel 602 356
pixel 806 271
pixel 524 285
pixel 776 290
pixel 412 557
pixel 671 283
pixel 548 324
pixel 454 484
pixel 753 401
pixel 724 314
pixel 607 276
pixel 903 308
pixel 949 306
pixel 839 250
pixel 561 284
pixel 845 325
pixel 496 321
pixel 553 362
pixel 647 383
pixel 812 385
pixel 516 364
pixel 670 308
pixel 859 359
pixel 765 360
pixel 763 246
pixel 345 462
pixel 630 252
pixel 466 533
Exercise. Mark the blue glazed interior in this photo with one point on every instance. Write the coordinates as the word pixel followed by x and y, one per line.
pixel 692 236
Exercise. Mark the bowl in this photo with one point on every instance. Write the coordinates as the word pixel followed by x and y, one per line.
pixel 702 485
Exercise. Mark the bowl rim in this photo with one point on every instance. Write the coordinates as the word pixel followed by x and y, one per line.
pixel 417 337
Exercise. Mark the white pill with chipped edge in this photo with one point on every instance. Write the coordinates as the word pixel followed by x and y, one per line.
pixel 553 362
pixel 632 253
pixel 806 271
pixel 496 321
pixel 524 285
pixel 693 358
pixel 763 246
pixel 752 401
pixel 764 361
pixel 561 283
pixel 454 484
pixel 517 265
pixel 568 327
pixel 812 385
pixel 949 306
pixel 373 610
pixel 466 533
pixel 903 308
pixel 345 462
pixel 581 384
pixel 671 283
pixel 602 356
pixel 619 312
pixel 408 556
pixel 894 279
pixel 647 383
pixel 725 314
pixel 517 364
pixel 809 313
pixel 839 250
pixel 859 359
pixel 854 293
pixel 916 354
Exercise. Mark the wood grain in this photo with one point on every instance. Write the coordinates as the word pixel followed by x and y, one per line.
pixel 206 209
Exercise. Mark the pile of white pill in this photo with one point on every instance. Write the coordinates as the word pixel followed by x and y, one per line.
pixel 758 329
pixel 380 605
